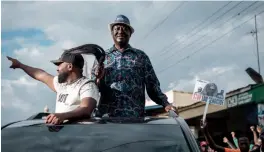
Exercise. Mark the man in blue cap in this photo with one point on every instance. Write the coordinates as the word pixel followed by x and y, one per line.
pixel 128 71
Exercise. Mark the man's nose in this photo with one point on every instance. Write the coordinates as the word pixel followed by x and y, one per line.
pixel 121 30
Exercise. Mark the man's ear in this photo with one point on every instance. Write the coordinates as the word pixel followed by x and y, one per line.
pixel 70 66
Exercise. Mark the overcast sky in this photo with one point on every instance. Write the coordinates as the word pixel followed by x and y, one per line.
pixel 37 32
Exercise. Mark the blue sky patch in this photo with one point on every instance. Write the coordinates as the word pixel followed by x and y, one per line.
pixel 10 39
pixel 26 33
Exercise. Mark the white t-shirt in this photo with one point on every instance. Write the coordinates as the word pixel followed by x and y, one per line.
pixel 69 96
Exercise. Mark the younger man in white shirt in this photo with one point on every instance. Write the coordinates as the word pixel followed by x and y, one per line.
pixel 77 96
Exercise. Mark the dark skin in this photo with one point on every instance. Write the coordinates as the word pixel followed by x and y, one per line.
pixel 243 142
pixel 121 35
pixel 225 140
pixel 252 128
pixel 87 104
pixel 260 147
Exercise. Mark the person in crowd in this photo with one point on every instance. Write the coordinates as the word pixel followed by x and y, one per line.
pixel 243 142
pixel 260 147
pixel 225 140
pixel 255 142
pixel 203 146
pixel 256 139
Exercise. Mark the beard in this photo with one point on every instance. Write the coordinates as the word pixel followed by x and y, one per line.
pixel 62 77
pixel 122 42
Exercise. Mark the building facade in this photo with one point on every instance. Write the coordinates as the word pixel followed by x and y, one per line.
pixel 243 108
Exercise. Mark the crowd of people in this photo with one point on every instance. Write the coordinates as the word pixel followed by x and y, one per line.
pixel 241 144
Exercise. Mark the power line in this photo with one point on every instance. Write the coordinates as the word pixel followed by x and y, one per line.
pixel 209 43
pixel 201 37
pixel 168 46
pixel 164 51
pixel 162 21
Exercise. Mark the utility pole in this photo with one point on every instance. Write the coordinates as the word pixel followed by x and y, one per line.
pixel 256 32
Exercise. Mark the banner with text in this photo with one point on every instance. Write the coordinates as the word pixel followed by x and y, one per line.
pixel 205 90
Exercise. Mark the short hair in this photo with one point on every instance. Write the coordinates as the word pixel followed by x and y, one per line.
pixel 243 138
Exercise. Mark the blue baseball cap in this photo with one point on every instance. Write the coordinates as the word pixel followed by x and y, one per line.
pixel 121 19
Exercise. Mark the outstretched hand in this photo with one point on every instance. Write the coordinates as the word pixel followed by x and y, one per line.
pixel 15 63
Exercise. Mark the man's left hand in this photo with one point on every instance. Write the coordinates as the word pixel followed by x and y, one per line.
pixel 56 118
pixel 170 107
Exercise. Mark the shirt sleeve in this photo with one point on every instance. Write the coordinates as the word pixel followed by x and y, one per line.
pixel 236 142
pixel 153 85
pixel 55 83
pixel 251 146
pixel 89 90
pixel 231 150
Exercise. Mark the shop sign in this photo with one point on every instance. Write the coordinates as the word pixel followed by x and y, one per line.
pixel 239 99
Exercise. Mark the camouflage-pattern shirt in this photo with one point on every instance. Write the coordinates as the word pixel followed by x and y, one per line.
pixel 127 74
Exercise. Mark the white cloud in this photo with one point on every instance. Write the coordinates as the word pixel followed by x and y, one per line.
pixel 20 104
pixel 22 81
pixel 22 98
pixel 183 84
pixel 10 99
pixel 217 75
pixel 215 71
pixel 9 96
pixel 33 52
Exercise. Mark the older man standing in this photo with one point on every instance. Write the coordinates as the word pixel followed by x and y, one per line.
pixel 128 71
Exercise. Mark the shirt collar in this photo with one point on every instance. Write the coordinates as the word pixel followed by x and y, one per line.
pixel 129 48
